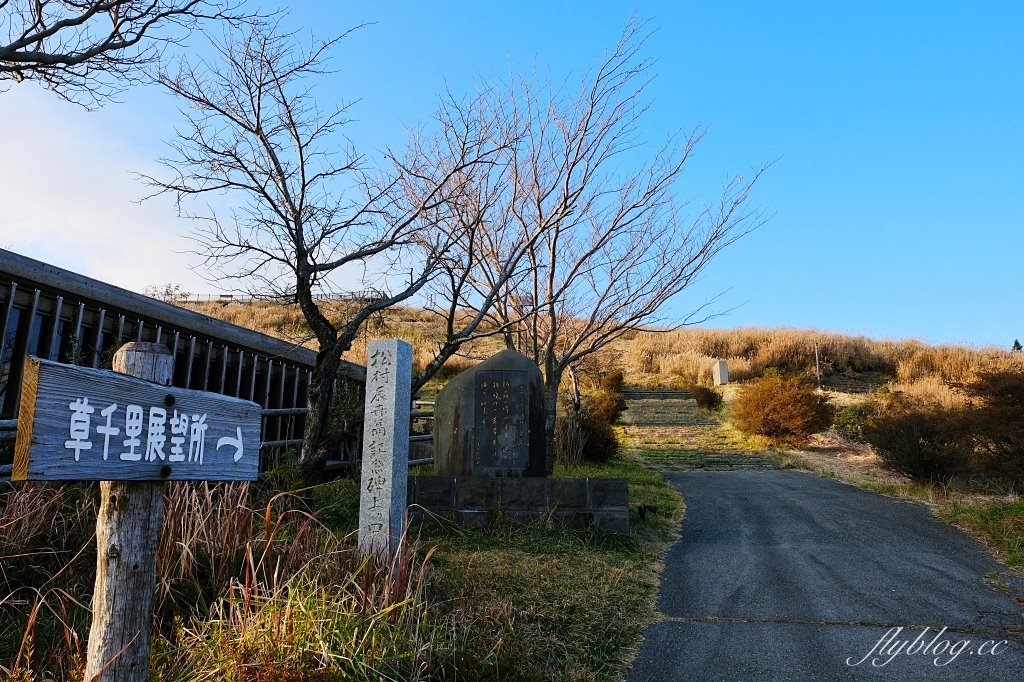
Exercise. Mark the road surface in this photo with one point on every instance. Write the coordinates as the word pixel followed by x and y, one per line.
pixel 784 575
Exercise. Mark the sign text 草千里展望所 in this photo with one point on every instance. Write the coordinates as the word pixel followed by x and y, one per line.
pixel 77 423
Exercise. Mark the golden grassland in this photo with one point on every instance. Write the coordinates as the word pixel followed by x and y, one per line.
pixel 687 354
pixel 673 359
pixel 421 328
pixel 261 586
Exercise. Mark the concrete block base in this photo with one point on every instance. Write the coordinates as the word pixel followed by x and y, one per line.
pixel 473 501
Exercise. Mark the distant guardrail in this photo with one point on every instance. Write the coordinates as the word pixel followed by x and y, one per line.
pixel 363 295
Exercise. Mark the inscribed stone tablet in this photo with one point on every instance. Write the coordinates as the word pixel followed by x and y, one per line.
pixel 501 435
pixel 489 420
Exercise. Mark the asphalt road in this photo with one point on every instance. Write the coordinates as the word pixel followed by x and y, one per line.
pixel 783 575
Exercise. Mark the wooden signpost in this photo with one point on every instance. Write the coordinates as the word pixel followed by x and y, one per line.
pixel 130 430
pixel 82 424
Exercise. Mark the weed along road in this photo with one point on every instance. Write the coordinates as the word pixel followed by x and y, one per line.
pixel 784 575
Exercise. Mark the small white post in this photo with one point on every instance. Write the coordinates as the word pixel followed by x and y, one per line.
pixel 720 373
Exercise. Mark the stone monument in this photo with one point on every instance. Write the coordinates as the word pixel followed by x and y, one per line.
pixel 385 471
pixel 489 420
pixel 720 373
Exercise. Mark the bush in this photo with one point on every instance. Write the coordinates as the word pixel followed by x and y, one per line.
pixel 604 406
pixel 850 421
pixel 923 440
pixel 996 424
pixel 786 409
pixel 980 434
pixel 613 381
pixel 598 412
pixel 589 435
pixel 708 398
pixel 599 441
pixel 569 440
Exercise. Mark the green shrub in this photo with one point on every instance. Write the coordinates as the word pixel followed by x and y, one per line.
pixel 604 406
pixel 678 384
pixel 569 440
pixel 850 421
pixel 613 381
pixel 589 435
pixel 598 412
pixel 708 398
pixel 599 441
pixel 786 409
pixel 579 439
pixel 996 424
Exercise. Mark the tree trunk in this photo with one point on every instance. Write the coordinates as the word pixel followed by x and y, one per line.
pixel 318 400
pixel 127 534
pixel 577 400
pixel 550 420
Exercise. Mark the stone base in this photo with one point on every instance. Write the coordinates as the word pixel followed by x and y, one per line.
pixel 476 500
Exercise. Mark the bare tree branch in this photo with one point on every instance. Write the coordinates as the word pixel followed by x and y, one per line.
pixel 87 51
pixel 305 204
pixel 577 242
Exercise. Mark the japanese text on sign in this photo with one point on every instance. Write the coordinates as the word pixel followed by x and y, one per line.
pixel 187 433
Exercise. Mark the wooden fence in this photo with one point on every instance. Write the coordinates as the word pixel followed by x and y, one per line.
pixel 59 315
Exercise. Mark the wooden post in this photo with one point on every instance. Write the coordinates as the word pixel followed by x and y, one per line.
pixel 817 364
pixel 127 533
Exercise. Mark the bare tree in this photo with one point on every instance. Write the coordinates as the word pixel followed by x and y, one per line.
pixel 584 241
pixel 486 250
pixel 168 292
pixel 88 50
pixel 304 204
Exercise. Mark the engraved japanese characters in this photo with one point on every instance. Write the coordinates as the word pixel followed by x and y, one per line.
pixel 385 467
pixel 489 420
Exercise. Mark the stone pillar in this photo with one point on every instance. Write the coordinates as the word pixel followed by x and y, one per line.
pixel 385 470
pixel 720 373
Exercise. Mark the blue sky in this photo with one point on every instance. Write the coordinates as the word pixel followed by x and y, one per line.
pixel 895 200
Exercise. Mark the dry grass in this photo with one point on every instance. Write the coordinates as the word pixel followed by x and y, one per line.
pixel 421 328
pixel 252 587
pixel 674 359
pixel 47 557
pixel 246 590
pixel 785 409
pixel 688 354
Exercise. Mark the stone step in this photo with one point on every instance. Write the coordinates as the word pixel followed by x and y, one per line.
pixel 710 462
pixel 657 395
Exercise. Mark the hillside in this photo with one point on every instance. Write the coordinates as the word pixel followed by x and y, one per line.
pixel 677 358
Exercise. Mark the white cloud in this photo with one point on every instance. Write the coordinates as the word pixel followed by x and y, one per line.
pixel 68 195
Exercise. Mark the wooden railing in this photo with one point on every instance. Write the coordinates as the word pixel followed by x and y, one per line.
pixel 60 315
